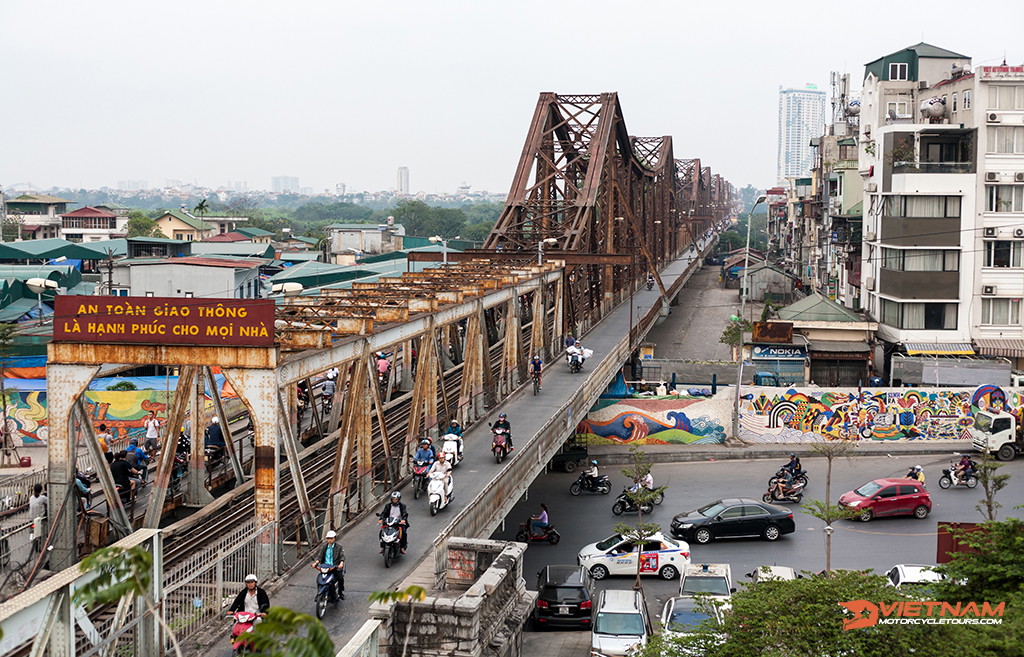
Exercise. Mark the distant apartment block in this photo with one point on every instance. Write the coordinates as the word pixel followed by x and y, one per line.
pixel 284 184
pixel 801 118
pixel 132 185
pixel 403 180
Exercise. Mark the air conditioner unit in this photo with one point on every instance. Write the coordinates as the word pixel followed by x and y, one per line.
pixel 869 236
pixel 870 282
pixel 1018 232
pixel 922 84
pixel 991 176
pixel 993 117
pixel 866 129
pixel 989 290
pixel 991 232
pixel 871 188
pixel 1018 177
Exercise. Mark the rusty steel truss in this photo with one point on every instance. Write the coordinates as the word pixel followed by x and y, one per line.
pixel 602 194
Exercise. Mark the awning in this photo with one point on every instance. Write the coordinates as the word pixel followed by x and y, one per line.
pixel 939 349
pixel 1001 347
pixel 840 346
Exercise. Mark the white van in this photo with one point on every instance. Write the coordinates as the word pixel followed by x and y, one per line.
pixel 621 622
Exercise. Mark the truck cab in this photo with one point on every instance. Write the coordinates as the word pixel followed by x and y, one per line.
pixel 997 432
pixel 765 379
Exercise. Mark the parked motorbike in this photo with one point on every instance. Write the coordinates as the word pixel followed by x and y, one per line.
pixel 244 621
pixel 499 444
pixel 624 503
pixel 419 477
pixel 434 492
pixel 450 446
pixel 583 483
pixel 800 476
pixel 526 535
pixel 391 539
pixel 326 588
pixel 951 478
pixel 795 494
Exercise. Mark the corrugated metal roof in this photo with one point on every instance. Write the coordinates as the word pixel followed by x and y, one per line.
pixel 816 308
pixel 939 349
pixel 1013 348
pixel 236 263
pixel 89 211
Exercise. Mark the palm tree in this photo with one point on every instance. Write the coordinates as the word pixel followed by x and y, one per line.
pixel 202 207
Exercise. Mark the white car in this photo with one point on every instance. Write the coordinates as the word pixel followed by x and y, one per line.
pixel 684 614
pixel 913 576
pixel 615 555
pixel 764 573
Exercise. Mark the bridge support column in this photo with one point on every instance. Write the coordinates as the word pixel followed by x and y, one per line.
pixel 258 389
pixel 512 350
pixel 196 492
pixel 65 384
pixel 540 342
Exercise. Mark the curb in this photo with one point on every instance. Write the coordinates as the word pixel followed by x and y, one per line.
pixel 615 455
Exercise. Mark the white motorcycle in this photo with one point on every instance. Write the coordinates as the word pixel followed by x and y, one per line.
pixel 435 495
pixel 450 445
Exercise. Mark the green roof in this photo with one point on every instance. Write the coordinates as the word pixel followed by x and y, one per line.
pixel 313 274
pixel 299 256
pixel 49 248
pixel 928 50
pixel 193 222
pixel 18 309
pixel 253 232
pixel 312 241
pixel 98 250
pixel 816 308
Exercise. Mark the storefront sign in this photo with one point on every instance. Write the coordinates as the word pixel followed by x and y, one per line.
pixel 1001 72
pixel 164 320
pixel 778 353
pixel 773 332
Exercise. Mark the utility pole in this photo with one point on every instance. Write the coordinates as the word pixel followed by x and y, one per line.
pixel 110 271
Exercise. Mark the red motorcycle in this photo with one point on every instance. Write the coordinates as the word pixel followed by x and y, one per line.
pixel 526 535
pixel 244 621
pixel 499 444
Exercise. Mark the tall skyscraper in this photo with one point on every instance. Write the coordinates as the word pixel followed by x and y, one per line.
pixel 801 118
pixel 282 184
pixel 403 180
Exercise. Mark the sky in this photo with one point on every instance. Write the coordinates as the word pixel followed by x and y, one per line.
pixel 214 91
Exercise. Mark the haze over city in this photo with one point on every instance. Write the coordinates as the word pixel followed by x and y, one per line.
pixel 213 93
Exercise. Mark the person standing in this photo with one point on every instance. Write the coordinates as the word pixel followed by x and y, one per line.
pixel 37 502
pixel 104 438
pixel 152 425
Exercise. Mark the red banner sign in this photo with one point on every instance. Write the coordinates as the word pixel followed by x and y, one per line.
pixel 164 320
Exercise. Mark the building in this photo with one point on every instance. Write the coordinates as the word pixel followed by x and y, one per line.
pixel 37 215
pixel 91 224
pixel 181 225
pixel 284 185
pixel 801 118
pixel 403 180
pixel 189 276
pixel 839 351
pixel 347 241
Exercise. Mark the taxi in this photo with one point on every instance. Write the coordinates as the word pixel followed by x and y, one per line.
pixel 618 555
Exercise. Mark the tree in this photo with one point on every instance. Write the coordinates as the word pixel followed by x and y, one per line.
pixel 287 633
pixel 416 593
pixel 733 333
pixel 10 228
pixel 638 468
pixel 991 483
pixel 825 511
pixel 139 225
pixel 202 208
pixel 9 451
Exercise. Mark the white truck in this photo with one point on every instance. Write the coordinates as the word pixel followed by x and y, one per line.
pixel 999 433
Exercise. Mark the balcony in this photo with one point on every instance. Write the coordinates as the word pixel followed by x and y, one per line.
pixel 919 284
pixel 932 167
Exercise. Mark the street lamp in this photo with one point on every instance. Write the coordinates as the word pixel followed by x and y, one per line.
pixel 437 239
pixel 739 380
pixel 540 248
pixel 40 284
pixel 289 289
pixel 746 257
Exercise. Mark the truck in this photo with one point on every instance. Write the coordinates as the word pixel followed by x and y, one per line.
pixel 997 432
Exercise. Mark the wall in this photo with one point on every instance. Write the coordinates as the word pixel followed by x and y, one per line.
pixel 797 415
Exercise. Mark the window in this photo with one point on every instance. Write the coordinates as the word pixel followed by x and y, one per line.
pixel 967 100
pixel 1000 312
pixel 898 71
pixel 1004 198
pixel 1003 253
pixel 920 259
pixel 908 490
pixel 733 512
pixel 954 102
pixel 917 316
pixel 753 511
pixel 1006 97
pixel 189 295
pixel 888 492
pixel 897 108
pixel 922 206
pixel 1006 139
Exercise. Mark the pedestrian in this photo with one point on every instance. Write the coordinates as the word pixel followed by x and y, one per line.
pixel 152 424
pixel 104 438
pixel 37 502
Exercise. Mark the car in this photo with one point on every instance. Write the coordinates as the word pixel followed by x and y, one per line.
pixel 708 579
pixel 914 577
pixel 888 497
pixel 733 517
pixel 684 614
pixel 621 624
pixel 766 573
pixel 565 597
pixel 617 555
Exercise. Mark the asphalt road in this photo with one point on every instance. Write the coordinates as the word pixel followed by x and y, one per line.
pixel 879 544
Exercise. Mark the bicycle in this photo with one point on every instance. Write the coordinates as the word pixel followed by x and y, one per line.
pixel 536 382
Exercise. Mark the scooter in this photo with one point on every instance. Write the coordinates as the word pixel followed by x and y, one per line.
pixel 244 621
pixel 526 535
pixel 795 494
pixel 450 446
pixel 950 478
pixel 390 539
pixel 800 476
pixel 499 444
pixel 600 484
pixel 624 503
pixel 434 492
pixel 575 363
pixel 326 588
pixel 419 477
pixel 650 284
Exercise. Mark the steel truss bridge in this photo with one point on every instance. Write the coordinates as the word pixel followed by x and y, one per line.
pixel 591 211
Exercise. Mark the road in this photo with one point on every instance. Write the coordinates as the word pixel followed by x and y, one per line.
pixel 878 545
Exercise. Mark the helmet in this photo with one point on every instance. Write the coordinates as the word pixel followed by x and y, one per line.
pixel 425 441
pixel 792 456
pixel 593 462
pixel 395 496
pixel 455 423
pixel 536 357
pixel 917 467
pixel 331 534
pixel 502 416
pixel 215 419
pixel 133 441
pixel 251 578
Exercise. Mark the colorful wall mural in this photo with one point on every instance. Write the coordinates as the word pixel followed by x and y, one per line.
pixel 798 415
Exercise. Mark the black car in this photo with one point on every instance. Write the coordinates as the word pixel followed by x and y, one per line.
pixel 733 517
pixel 565 597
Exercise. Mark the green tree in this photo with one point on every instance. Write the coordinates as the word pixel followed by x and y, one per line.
pixel 123 386
pixel 202 208
pixel 991 483
pixel 10 228
pixel 287 633
pixel 638 468
pixel 140 225
pixel 412 593
pixel 732 335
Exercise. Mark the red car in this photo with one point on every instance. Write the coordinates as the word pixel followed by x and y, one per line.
pixel 889 497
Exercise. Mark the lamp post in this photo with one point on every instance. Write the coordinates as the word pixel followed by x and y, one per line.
pixel 540 248
pixel 437 239
pixel 288 289
pixel 39 284
pixel 739 380
pixel 746 257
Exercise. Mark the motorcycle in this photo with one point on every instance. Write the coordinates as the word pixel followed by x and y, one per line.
pixel 326 588
pixel 419 477
pixel 800 477
pixel 575 363
pixel 499 444
pixel 650 284
pixel 624 503
pixel 951 478
pixel 390 539
pixel 526 535
pixel 244 621
pixel 450 446
pixel 434 492
pixel 600 484
pixel 795 494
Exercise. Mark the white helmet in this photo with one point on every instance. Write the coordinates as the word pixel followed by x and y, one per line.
pixel 251 578
pixel 331 534
pixel 215 419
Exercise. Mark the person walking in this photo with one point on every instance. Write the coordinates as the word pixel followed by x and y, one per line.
pixel 152 441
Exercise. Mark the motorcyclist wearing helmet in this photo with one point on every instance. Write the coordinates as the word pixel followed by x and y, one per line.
pixel 455 429
pixel 396 509
pixel 794 465
pixel 963 468
pixel 444 468
pixel 536 367
pixel 137 458
pixel 503 423
pixel 916 472
pixel 332 554
pixel 251 599
pixel 591 474
pixel 425 452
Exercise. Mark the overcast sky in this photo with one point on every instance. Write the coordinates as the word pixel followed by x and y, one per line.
pixel 214 91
